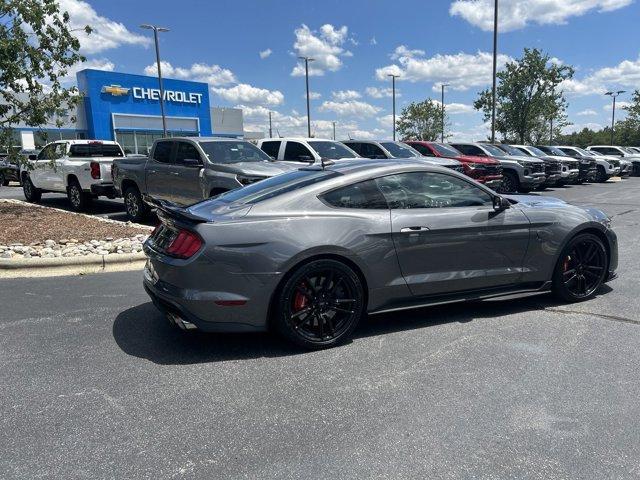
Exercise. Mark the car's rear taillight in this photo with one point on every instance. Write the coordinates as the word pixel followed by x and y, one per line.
pixel 184 245
pixel 95 170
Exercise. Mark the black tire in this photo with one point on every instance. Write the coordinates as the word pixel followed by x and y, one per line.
pixel 314 315
pixel 510 182
pixel 31 193
pixel 78 199
pixel 136 209
pixel 581 268
pixel 601 176
pixel 3 180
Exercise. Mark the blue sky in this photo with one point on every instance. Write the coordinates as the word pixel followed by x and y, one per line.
pixel 356 44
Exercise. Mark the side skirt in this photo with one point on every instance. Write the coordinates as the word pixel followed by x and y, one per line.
pixel 502 292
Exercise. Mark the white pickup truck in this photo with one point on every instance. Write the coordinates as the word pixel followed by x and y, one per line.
pixel 79 168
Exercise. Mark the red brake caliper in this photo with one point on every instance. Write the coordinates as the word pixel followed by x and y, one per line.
pixel 300 301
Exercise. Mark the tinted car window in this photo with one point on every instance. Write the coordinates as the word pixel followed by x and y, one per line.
pixel 186 150
pixel 297 152
pixel 47 153
pixel 431 190
pixel 509 149
pixel 469 150
pixel 332 150
pixel 365 195
pixel 356 147
pixel 426 151
pixel 233 152
pixel 162 152
pixel 271 148
pixel 274 186
pixel 95 150
pixel 446 150
pixel 371 150
pixel 493 150
pixel 399 151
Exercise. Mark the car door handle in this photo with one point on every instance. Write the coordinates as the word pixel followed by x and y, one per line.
pixel 151 171
pixel 414 229
pixel 175 173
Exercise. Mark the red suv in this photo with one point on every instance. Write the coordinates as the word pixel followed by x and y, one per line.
pixel 482 169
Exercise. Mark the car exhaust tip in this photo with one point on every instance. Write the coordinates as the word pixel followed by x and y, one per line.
pixel 180 322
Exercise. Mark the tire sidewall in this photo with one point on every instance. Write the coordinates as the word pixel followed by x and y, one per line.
pixel 283 299
pixel 31 194
pixel 558 285
pixel 133 193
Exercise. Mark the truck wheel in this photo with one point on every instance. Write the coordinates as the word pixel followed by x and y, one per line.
pixel 510 183
pixel 137 210
pixel 31 193
pixel 601 176
pixel 78 199
pixel 3 180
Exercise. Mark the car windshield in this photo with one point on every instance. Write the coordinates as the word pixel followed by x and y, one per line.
pixel 582 151
pixel 400 151
pixel 332 150
pixel 493 150
pixel 556 151
pixel 446 150
pixel 233 152
pixel 274 186
pixel 536 152
pixel 628 150
pixel 509 149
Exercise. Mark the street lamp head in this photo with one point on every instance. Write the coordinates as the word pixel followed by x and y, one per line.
pixel 308 59
pixel 146 26
pixel 392 75
pixel 621 91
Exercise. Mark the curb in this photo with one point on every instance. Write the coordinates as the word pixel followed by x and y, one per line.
pixel 51 267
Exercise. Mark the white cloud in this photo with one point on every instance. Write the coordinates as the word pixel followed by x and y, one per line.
pixel 458 108
pixel 580 126
pixel 350 108
pixel 373 41
pixel 375 134
pixel 403 52
pixel 461 71
pixel 214 75
pixel 324 47
pixel 265 53
pixel 106 34
pixel 517 14
pixel 244 93
pixel 625 74
pixel 313 95
pixel 343 95
pixel 586 113
pixel 94 63
pixel 376 92
pixel 387 120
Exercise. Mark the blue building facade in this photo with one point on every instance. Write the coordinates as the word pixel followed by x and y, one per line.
pixel 126 108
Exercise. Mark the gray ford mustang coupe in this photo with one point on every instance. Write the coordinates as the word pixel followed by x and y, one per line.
pixel 307 253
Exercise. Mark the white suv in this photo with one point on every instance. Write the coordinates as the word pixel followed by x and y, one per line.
pixel 624 154
pixel 304 150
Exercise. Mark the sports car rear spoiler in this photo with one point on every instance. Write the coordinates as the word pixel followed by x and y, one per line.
pixel 169 209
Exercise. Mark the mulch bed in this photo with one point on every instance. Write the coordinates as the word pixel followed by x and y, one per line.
pixel 27 224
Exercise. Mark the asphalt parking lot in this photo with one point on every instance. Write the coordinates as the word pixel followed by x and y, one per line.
pixel 95 384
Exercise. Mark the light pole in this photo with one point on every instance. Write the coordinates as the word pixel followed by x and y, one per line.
pixel 157 29
pixel 495 66
pixel 613 111
pixel 334 130
pixel 393 89
pixel 306 75
pixel 442 105
pixel 270 129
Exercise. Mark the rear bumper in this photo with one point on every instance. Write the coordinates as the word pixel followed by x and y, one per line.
pixel 103 190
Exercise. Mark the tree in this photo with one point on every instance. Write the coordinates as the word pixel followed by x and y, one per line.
pixel 422 121
pixel 528 98
pixel 37 47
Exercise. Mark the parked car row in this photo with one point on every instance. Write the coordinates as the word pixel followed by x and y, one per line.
pixel 185 170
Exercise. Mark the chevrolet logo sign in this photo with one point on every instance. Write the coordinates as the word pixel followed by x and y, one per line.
pixel 116 90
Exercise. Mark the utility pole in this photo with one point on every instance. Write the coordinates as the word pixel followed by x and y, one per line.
pixel 495 67
pixel 442 105
pixel 393 88
pixel 613 111
pixel 157 29
pixel 270 128
pixel 334 130
pixel 306 75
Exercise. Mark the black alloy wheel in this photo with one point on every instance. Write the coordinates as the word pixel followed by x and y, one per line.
pixel 78 199
pixel 510 183
pixel 136 209
pixel 601 176
pixel 31 193
pixel 581 269
pixel 320 304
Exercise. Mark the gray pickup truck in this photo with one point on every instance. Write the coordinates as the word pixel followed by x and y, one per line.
pixel 186 170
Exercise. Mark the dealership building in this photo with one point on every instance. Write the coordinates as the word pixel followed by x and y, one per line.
pixel 126 108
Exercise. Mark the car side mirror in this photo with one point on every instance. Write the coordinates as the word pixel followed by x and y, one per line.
pixel 500 203
pixel 33 157
pixel 191 162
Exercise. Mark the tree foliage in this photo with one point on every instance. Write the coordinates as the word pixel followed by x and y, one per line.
pixel 528 98
pixel 37 48
pixel 422 121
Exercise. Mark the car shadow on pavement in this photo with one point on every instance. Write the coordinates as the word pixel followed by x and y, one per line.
pixel 142 331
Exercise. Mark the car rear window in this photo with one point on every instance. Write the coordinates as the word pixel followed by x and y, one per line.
pixel 95 150
pixel 278 185
pixel 332 150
